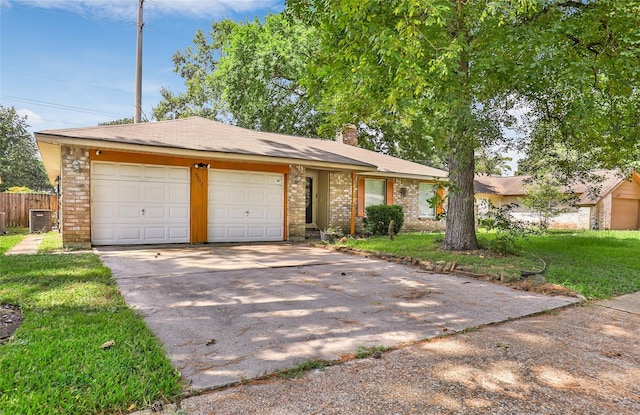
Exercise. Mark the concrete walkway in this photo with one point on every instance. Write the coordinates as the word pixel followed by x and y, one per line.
pixel 28 246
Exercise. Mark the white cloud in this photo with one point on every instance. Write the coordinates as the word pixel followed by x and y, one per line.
pixel 32 117
pixel 127 9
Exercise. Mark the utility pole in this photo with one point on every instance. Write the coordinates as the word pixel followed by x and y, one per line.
pixel 138 98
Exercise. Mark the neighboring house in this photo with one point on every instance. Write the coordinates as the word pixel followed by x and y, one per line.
pixel 195 180
pixel 613 203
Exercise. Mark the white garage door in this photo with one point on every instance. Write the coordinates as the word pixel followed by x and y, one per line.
pixel 245 206
pixel 139 204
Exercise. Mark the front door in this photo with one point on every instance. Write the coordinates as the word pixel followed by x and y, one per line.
pixel 309 200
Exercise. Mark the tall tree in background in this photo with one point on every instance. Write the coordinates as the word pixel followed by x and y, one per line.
pixel 455 69
pixel 120 121
pixel 20 165
pixel 249 74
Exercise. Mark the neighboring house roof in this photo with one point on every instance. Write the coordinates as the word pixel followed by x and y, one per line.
pixel 196 134
pixel 500 185
pixel 588 193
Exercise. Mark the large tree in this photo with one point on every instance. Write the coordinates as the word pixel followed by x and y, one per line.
pixel 455 70
pixel 249 74
pixel 20 165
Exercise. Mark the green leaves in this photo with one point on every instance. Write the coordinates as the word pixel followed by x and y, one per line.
pixel 19 162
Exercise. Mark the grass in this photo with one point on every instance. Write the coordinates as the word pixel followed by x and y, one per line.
pixel 426 246
pixel 54 363
pixel 363 351
pixel 596 264
pixel 299 368
pixel 51 242
pixel 11 238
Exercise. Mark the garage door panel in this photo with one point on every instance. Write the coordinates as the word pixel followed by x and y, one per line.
pixel 236 232
pixel 245 206
pixel 127 213
pixel 154 192
pixel 156 172
pixel 178 193
pixel 154 233
pixel 156 213
pixel 256 215
pixel 274 215
pixel 255 232
pixel 130 192
pixel 274 198
pixel 624 213
pixel 103 233
pixel 179 175
pixel 216 232
pixel 179 233
pixel 125 235
pixel 179 213
pixel 274 232
pixel 139 204
pixel 235 196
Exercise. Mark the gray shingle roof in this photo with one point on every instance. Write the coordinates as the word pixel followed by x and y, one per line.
pixel 196 133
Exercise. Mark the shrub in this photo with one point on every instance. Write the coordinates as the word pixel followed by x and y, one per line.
pixel 508 231
pixel 378 217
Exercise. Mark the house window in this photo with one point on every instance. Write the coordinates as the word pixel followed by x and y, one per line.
pixel 426 193
pixel 374 192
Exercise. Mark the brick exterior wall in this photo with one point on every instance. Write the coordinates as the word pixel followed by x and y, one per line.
pixel 405 194
pixel 296 207
pixel 75 203
pixel 340 200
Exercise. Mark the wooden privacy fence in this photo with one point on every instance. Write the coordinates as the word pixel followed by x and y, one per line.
pixel 17 206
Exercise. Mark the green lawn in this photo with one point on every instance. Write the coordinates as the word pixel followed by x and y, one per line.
pixel 597 264
pixel 54 363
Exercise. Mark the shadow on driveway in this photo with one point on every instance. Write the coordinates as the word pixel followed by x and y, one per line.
pixel 227 313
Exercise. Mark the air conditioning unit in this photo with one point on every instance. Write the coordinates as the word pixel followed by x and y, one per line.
pixel 39 220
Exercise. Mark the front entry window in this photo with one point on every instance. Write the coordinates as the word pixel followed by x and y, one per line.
pixel 374 192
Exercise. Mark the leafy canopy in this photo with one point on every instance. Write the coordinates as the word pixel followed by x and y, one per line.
pixel 455 70
pixel 20 165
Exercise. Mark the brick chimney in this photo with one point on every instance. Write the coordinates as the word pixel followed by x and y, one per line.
pixel 348 135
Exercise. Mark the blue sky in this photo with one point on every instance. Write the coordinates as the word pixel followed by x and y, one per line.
pixel 71 63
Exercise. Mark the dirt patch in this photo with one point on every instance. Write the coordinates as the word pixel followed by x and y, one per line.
pixel 10 319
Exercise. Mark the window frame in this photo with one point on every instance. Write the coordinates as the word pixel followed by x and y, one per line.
pixel 433 192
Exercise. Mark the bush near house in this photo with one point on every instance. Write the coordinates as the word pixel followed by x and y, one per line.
pixel 378 217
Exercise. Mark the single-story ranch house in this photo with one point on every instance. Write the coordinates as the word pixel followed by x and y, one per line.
pixel 615 204
pixel 195 180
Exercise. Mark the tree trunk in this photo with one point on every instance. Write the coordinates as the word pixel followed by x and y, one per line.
pixel 461 228
pixel 460 234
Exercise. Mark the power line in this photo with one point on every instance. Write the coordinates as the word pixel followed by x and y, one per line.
pixel 65 81
pixel 62 106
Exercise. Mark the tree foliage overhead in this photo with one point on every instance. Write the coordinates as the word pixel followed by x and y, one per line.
pixel 250 74
pixel 120 121
pixel 456 69
pixel 247 74
pixel 20 165
pixel 580 86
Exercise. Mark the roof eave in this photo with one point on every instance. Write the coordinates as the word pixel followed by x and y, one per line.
pixel 50 139
pixel 398 175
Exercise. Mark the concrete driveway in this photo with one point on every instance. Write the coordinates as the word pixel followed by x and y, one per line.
pixel 231 312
